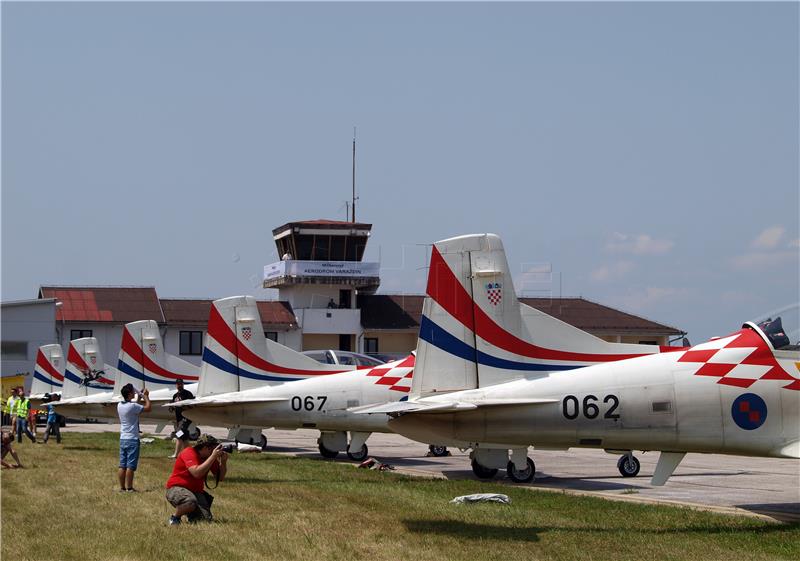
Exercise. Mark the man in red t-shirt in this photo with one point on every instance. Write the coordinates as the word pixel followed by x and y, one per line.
pixel 185 485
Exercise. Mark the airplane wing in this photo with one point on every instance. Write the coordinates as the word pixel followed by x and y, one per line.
pixel 400 407
pixel 223 401
pixel 85 400
pixel 94 400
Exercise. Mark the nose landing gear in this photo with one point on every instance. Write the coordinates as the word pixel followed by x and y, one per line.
pixel 628 465
pixel 438 451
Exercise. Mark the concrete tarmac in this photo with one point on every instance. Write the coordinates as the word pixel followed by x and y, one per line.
pixel 733 484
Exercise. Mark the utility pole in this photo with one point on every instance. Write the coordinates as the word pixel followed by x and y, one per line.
pixel 354 175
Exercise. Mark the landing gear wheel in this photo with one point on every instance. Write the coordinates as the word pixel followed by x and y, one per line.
pixel 482 472
pixel 628 466
pixel 521 476
pixel 263 442
pixel 325 452
pixel 438 451
pixel 359 456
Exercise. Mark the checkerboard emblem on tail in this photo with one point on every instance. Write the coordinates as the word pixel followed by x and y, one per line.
pixel 494 290
pixel 93 359
pixel 247 332
pixel 152 347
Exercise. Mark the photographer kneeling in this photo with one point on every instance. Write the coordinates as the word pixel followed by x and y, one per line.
pixel 185 486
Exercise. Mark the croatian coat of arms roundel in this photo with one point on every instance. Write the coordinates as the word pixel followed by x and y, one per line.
pixel 93 359
pixel 55 362
pixel 152 347
pixel 494 290
pixel 247 332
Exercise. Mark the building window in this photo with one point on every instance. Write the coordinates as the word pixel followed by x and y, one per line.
pixel 648 342
pixel 191 343
pixel 14 350
pixel 370 345
pixel 79 334
pixel 271 335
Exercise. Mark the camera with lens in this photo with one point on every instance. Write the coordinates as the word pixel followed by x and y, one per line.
pixel 228 448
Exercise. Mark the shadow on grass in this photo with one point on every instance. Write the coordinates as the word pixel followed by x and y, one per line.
pixel 86 448
pixel 258 480
pixel 468 530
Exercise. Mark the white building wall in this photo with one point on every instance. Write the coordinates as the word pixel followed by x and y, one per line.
pixel 314 295
pixel 292 339
pixel 327 321
pixel 172 341
pixel 33 323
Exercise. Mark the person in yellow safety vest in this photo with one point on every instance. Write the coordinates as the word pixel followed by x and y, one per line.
pixel 23 408
pixel 11 410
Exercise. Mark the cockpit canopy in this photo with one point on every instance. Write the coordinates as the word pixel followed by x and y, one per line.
pixel 772 331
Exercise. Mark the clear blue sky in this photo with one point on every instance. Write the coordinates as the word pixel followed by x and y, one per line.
pixel 647 154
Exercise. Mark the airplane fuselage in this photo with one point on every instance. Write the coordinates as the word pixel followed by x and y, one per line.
pixel 647 403
pixel 320 403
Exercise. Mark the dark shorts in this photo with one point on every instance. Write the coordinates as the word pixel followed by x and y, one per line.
pixel 180 496
pixel 182 427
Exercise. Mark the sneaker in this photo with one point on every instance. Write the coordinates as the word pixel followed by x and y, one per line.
pixel 174 520
pixel 131 490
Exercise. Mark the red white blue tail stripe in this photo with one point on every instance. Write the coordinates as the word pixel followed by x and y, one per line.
pixel 137 363
pixel 457 311
pixel 248 364
pixel 77 371
pixel 44 371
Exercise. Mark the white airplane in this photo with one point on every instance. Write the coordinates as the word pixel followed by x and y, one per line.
pixel 144 363
pixel 238 356
pixel 48 373
pixel 487 379
pixel 319 402
pixel 241 384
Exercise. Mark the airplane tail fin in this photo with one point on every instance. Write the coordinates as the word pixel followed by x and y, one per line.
pixel 237 355
pixel 143 362
pixel 48 372
pixel 85 372
pixel 475 332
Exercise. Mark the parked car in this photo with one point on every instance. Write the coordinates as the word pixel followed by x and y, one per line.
pixel 343 357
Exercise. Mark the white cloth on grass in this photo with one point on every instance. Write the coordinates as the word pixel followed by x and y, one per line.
pixel 482 498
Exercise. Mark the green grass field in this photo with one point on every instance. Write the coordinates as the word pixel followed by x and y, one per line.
pixel 65 506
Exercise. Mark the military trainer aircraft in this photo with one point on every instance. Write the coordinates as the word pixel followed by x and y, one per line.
pixel 489 379
pixel 142 361
pixel 252 382
pixel 320 402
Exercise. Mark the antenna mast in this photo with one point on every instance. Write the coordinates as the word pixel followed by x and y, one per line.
pixel 354 175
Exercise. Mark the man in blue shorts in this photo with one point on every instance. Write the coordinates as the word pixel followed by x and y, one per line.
pixel 129 412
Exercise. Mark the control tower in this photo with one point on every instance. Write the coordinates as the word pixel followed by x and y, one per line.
pixel 320 273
